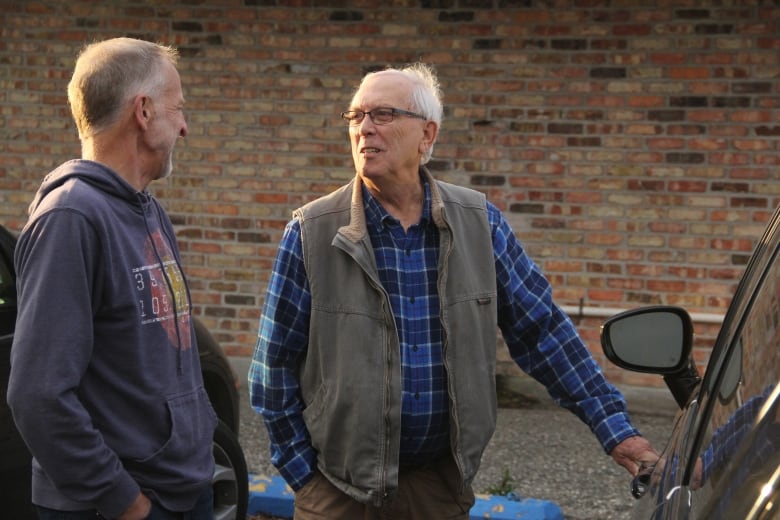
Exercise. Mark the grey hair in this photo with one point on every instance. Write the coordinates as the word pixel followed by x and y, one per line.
pixel 108 74
pixel 426 96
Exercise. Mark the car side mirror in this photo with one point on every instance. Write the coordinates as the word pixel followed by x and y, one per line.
pixel 657 340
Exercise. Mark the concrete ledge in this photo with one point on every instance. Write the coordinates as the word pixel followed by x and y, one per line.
pixel 640 400
pixel 272 496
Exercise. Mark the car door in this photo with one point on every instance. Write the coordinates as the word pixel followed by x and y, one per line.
pixel 723 457
pixel 15 466
pixel 733 466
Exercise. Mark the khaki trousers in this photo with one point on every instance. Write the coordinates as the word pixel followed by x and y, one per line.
pixel 427 493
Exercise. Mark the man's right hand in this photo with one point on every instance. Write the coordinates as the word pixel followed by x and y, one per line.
pixel 138 510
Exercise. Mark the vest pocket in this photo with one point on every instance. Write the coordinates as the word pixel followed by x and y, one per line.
pixel 314 408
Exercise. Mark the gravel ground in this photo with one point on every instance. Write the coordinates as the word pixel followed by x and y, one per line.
pixel 546 451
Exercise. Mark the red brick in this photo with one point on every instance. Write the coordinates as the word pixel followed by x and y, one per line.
pixel 636 140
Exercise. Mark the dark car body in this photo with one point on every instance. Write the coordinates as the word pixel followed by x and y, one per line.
pixel 230 477
pixel 723 457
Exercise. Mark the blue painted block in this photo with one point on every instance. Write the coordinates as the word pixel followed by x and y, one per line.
pixel 504 508
pixel 272 496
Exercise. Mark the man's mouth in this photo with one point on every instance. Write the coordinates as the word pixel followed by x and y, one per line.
pixel 369 150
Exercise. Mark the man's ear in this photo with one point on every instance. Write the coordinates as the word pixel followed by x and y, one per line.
pixel 142 110
pixel 430 131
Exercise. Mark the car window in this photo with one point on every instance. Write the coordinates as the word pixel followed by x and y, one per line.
pixel 7 289
pixel 742 429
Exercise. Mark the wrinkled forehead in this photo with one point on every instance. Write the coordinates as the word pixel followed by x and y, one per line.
pixel 386 88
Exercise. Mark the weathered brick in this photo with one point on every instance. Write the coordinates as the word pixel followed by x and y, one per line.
pixel 768 131
pixel 687 158
pixel 688 101
pixel 608 72
pixel 689 73
pixel 625 139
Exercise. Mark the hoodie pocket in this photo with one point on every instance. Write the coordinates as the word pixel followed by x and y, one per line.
pixel 188 449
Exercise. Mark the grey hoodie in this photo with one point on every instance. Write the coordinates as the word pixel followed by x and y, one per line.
pixel 105 383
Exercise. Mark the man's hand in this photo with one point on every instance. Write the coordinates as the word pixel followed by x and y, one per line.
pixel 634 453
pixel 138 510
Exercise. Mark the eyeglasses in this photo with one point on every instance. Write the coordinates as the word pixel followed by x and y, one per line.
pixel 379 116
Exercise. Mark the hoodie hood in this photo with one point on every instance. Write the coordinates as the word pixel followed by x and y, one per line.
pixel 98 175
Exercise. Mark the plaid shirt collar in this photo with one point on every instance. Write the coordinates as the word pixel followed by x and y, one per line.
pixel 377 216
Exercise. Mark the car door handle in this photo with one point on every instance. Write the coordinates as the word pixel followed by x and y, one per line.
pixel 641 482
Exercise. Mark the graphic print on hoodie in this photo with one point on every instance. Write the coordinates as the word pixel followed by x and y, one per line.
pixel 162 296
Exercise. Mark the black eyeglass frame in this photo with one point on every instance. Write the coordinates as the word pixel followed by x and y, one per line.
pixel 354 121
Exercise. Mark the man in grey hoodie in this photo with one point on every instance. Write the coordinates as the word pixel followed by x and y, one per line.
pixel 105 385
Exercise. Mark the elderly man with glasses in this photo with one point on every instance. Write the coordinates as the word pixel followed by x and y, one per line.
pixel 374 368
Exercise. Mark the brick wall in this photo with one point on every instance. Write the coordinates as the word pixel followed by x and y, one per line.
pixel 634 149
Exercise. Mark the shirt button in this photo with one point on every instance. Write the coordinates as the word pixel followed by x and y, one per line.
pixel 417 395
pixel 414 348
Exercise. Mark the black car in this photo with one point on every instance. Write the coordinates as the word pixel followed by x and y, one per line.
pixel 230 480
pixel 723 457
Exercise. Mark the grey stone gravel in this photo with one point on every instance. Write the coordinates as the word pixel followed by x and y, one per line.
pixel 545 450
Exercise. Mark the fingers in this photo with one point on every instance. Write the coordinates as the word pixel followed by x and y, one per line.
pixel 635 454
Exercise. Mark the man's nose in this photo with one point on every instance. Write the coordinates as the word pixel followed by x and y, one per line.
pixel 367 125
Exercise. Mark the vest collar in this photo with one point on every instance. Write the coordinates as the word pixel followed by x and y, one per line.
pixel 356 230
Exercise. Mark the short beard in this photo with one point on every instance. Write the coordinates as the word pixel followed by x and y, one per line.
pixel 168 168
